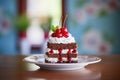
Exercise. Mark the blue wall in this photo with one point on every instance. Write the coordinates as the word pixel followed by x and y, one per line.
pixel 95 24
pixel 8 36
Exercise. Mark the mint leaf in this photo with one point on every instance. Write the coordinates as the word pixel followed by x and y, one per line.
pixel 56 28
pixel 53 28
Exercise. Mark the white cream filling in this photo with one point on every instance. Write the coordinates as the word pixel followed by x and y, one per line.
pixel 51 59
pixel 56 59
pixel 48 49
pixel 64 59
pixel 74 59
pixel 55 51
pixel 64 40
pixel 64 51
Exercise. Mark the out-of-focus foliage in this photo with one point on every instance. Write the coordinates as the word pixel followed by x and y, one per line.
pixel 22 22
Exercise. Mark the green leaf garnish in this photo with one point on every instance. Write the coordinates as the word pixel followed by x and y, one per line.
pixel 54 28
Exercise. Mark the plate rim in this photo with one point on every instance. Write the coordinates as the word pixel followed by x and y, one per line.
pixel 26 59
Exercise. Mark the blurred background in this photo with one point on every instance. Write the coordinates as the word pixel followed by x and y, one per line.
pixel 25 25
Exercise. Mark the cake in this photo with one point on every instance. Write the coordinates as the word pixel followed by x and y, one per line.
pixel 61 47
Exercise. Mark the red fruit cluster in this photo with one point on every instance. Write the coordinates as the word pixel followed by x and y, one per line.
pixel 74 51
pixel 62 32
pixel 51 52
pixel 71 51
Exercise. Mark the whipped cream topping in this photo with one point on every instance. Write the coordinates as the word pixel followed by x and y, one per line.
pixel 63 40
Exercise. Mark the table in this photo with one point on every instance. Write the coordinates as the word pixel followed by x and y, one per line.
pixel 13 68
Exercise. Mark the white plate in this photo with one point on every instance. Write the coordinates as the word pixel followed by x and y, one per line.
pixel 84 60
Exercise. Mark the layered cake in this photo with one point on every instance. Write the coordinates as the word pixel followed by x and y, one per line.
pixel 61 47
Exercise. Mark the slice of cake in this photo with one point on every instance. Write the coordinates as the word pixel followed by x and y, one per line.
pixel 61 47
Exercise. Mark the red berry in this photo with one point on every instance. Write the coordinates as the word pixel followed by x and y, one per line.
pixel 60 51
pixel 53 34
pixel 69 59
pixel 63 29
pixel 74 51
pixel 58 31
pixel 51 52
pixel 59 35
pixel 66 34
pixel 69 51
pixel 60 60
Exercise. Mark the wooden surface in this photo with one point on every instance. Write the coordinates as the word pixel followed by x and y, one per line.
pixel 13 68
